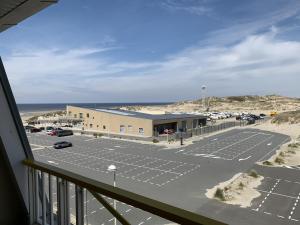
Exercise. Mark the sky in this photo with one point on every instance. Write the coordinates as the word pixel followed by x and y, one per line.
pixel 154 51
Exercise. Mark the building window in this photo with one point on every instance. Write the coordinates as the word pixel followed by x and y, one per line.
pixel 97 126
pixel 122 129
pixel 93 117
pixel 70 113
pixel 129 128
pixel 88 115
pixel 141 131
pixel 75 115
pixel 91 125
pixel 80 115
pixel 104 127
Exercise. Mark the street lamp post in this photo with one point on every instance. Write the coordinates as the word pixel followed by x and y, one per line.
pixel 113 168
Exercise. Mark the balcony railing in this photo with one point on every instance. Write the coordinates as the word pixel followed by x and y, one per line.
pixel 43 211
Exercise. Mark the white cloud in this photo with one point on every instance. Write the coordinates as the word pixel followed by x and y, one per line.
pixel 259 64
pixel 189 6
pixel 241 29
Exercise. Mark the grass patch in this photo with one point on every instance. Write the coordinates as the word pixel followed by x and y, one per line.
pixel 294 145
pixel 281 154
pixel 253 173
pixel 155 140
pixel 291 151
pixel 279 160
pixel 220 194
pixel 241 185
pixel 267 163
pixel 96 135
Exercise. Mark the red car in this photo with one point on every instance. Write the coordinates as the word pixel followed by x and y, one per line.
pixel 54 131
pixel 168 131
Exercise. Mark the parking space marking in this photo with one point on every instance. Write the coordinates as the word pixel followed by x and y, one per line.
pixel 270 192
pixel 294 207
pixel 274 149
pixel 143 169
pixel 230 147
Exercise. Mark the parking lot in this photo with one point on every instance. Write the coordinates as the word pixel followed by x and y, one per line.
pixel 280 194
pixel 229 147
pixel 163 173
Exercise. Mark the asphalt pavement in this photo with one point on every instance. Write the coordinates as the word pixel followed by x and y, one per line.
pixel 180 176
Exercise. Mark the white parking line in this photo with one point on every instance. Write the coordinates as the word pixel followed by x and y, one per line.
pixel 245 158
pixel 273 149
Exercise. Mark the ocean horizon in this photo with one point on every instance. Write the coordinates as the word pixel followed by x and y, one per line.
pixel 40 107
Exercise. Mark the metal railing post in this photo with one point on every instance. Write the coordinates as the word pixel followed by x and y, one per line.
pixel 79 205
pixel 51 219
pixel 63 211
pixel 36 196
pixel 43 193
pixel 31 190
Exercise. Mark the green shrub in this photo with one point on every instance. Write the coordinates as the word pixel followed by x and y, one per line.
pixel 220 194
pixel 267 163
pixel 279 160
pixel 291 151
pixel 281 154
pixel 241 185
pixel 294 145
pixel 253 173
pixel 155 140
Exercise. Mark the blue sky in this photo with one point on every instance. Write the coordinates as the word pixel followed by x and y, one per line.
pixel 159 50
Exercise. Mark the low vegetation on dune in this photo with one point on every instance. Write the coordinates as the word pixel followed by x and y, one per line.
pixel 292 117
pixel 46 115
pixel 231 103
pixel 239 190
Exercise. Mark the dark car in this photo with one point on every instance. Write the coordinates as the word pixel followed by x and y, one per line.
pixel 67 125
pixel 61 133
pixel 28 127
pixel 35 130
pixel 250 120
pixel 62 144
pixel 254 116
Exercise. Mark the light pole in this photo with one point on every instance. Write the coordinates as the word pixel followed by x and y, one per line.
pixel 113 168
pixel 203 90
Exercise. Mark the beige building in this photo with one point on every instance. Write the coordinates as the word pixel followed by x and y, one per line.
pixel 121 122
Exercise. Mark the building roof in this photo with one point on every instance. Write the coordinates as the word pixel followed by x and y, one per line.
pixel 149 116
pixel 14 11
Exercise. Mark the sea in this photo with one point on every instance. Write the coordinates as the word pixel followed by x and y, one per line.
pixel 32 108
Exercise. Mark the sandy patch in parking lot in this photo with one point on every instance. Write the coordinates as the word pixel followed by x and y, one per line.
pixel 286 155
pixel 239 190
pixel 293 130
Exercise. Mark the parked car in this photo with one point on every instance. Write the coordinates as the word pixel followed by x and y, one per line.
pixel 250 120
pixel 49 129
pixel 168 131
pixel 62 144
pixel 61 133
pixel 54 131
pixel 28 127
pixel 67 125
pixel 35 130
